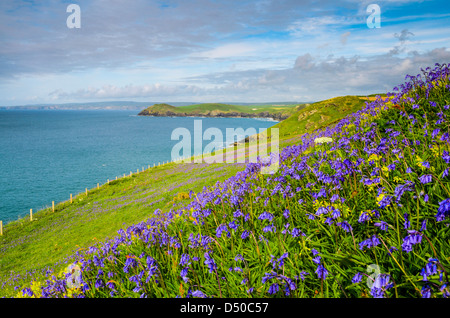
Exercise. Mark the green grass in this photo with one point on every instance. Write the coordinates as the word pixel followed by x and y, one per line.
pixel 27 247
pixel 318 115
pixel 51 237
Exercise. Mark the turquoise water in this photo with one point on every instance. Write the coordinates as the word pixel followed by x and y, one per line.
pixel 46 155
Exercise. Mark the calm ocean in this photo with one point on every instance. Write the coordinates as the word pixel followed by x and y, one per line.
pixel 46 155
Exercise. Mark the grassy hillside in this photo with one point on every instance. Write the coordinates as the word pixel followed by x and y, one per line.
pixel 319 115
pixel 358 208
pixel 220 110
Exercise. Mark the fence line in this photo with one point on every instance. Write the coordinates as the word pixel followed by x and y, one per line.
pixel 86 190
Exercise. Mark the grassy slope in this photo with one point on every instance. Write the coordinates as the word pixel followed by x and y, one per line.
pixel 51 237
pixel 210 107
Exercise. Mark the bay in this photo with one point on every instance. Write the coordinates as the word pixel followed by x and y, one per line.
pixel 46 155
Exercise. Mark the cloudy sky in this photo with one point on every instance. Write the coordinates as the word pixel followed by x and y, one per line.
pixel 214 51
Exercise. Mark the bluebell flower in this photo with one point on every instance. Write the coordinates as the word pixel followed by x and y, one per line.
pixel 413 238
pixel 334 198
pixel 265 216
pixel 274 288
pixel 99 283
pixel 269 228
pixel 237 213
pixel 429 269
pixel 380 285
pixel 184 259
pixel 407 224
pixel 446 156
pixel 316 260
pixel 233 225
pixel 435 133
pixel 321 210
pixel 321 272
pixel 445 290
pixel 198 294
pixel 357 278
pixel 364 217
pixel 345 226
pixel 424 226
pixel 220 229
pixel 303 274
pixel 426 178
pixel 382 225
pixel 443 210
pixel 184 273
pixel 329 221
pixel 370 242
pixel 245 234
pixel 129 263
pixel 385 201
pixel 336 213
pixel 297 232
pixel 426 291
pixel 268 276
pixel 209 261
pixel 28 292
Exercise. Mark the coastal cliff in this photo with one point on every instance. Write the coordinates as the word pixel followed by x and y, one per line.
pixel 217 110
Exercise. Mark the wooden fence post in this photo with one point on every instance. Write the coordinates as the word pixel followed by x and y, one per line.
pixel 1 228
pixel 53 206
pixel 71 198
pixel 86 191
pixel 31 214
pixel 98 185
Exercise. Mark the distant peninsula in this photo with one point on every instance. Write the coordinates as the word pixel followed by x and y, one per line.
pixel 274 112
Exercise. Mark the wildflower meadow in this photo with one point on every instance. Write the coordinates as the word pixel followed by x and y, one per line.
pixel 360 208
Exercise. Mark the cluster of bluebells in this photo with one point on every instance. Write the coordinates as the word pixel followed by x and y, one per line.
pixel 434 267
pixel 315 190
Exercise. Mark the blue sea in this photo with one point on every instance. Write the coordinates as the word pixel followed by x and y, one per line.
pixel 46 155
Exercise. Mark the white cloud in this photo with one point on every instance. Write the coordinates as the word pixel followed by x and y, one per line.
pixel 227 50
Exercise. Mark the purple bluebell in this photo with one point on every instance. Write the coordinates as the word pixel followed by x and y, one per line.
pixel 265 216
pixel 370 242
pixel 382 225
pixel 321 272
pixel 345 226
pixel 413 238
pixel 426 178
pixel 443 210
pixel 426 291
pixel 357 278
pixel 209 261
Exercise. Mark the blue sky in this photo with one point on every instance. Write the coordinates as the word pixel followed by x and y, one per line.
pixel 214 51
